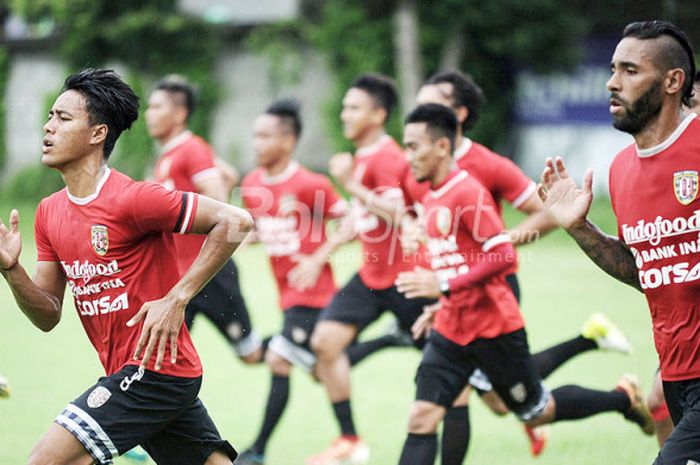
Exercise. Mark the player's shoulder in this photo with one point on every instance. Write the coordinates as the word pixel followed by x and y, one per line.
pixel 253 178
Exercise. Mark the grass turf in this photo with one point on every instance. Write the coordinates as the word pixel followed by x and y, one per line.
pixel 560 287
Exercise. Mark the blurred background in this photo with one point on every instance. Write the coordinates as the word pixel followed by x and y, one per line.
pixel 542 64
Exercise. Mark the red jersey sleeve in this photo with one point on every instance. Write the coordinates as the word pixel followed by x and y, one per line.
pixel 200 163
pixel 480 217
pixel 387 178
pixel 156 209
pixel 510 182
pixel 44 250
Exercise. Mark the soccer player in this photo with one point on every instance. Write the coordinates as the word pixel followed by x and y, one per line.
pixel 373 177
pixel 111 240
pixel 504 180
pixel 479 323
pixel 188 163
pixel 653 190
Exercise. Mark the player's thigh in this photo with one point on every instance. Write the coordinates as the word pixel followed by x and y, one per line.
pixel 190 439
pixel 507 362
pixel 293 343
pixel 443 372
pixel 406 310
pixel 59 447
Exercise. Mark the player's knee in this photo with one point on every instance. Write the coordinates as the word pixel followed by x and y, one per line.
pixel 325 344
pixel 278 365
pixel 545 416
pixel 253 358
pixel 425 417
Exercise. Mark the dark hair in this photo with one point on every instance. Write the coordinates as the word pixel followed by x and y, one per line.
pixel 381 88
pixel 697 76
pixel 440 120
pixel 287 110
pixel 109 101
pixel 465 93
pixel 676 54
pixel 176 84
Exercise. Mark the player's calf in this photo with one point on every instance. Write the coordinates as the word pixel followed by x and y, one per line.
pixel 277 364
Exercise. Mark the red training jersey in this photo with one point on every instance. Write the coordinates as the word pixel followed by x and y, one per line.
pixel 463 225
pixel 186 160
pixel 115 247
pixel 654 194
pixel 382 169
pixel 290 211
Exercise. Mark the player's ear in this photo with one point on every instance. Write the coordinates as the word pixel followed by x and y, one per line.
pixel 675 78
pixel 462 113
pixel 99 134
pixel 445 147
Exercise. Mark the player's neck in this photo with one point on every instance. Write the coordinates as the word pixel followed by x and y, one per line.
pixel 659 130
pixel 81 179
pixel 175 132
pixel 369 137
pixel 279 166
pixel 441 173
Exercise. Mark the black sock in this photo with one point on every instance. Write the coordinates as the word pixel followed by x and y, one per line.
pixel 550 359
pixel 455 436
pixel 343 413
pixel 276 403
pixel 361 350
pixel 419 449
pixel 574 402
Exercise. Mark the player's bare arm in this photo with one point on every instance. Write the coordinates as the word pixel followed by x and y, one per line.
pixel 214 186
pixel 226 227
pixel 389 208
pixel 535 225
pixel 40 299
pixel 229 173
pixel 569 205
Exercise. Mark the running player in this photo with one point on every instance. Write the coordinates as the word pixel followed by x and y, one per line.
pixel 653 189
pixel 111 240
pixel 188 163
pixel 479 323
pixel 373 177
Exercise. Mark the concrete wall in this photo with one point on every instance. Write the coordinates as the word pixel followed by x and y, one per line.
pixel 35 77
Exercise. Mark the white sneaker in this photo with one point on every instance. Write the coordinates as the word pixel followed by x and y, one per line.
pixel 604 332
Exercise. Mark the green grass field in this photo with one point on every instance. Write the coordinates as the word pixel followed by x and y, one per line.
pixel 560 289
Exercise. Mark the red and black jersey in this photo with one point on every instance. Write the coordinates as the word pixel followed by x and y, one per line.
pixel 116 250
pixel 654 194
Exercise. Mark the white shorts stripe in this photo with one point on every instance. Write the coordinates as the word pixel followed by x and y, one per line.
pixel 84 438
pixel 188 212
pixel 248 344
pixel 292 353
pixel 101 435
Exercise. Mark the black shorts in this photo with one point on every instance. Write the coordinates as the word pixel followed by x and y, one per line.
pixel 359 306
pixel 683 446
pixel 446 369
pixel 134 407
pixel 294 342
pixel 222 303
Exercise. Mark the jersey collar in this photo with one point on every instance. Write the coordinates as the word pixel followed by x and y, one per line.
pixel 463 148
pixel 453 179
pixel 373 148
pixel 94 195
pixel 285 175
pixel 651 151
pixel 176 141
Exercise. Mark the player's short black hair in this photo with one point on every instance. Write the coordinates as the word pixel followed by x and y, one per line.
pixel 440 120
pixel 381 88
pixel 465 92
pixel 176 84
pixel 677 53
pixel 109 101
pixel 287 110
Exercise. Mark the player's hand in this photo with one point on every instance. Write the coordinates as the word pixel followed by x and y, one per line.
pixel 412 235
pixel 162 320
pixel 344 230
pixel 418 283
pixel 305 274
pixel 567 203
pixel 341 166
pixel 424 323
pixel 10 242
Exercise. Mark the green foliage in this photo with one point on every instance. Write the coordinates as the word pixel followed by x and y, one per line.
pixel 32 182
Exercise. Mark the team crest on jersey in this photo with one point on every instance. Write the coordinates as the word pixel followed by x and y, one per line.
pixel 443 220
pixel 518 392
pixel 98 397
pixel 287 205
pixel 299 335
pixel 99 239
pixel 685 184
